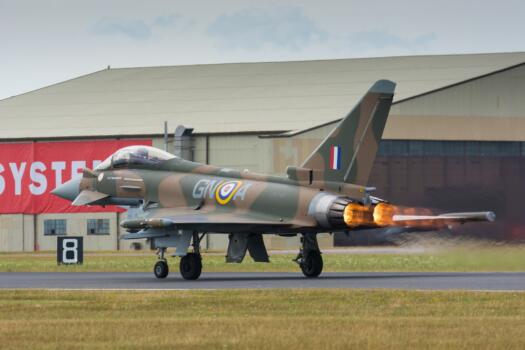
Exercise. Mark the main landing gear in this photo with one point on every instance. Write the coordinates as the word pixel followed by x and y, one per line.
pixel 190 265
pixel 309 258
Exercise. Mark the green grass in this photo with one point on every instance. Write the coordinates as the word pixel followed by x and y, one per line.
pixel 499 258
pixel 262 319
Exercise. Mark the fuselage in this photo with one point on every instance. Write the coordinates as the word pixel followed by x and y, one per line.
pixel 214 189
pixel 177 183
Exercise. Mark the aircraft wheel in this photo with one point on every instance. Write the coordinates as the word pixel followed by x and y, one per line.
pixel 190 266
pixel 161 269
pixel 312 264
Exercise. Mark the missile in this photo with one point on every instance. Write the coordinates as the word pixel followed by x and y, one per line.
pixel 138 224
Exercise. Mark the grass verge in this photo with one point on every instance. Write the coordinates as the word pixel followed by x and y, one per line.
pixel 262 319
pixel 502 258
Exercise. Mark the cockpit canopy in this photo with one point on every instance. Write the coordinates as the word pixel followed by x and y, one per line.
pixel 134 155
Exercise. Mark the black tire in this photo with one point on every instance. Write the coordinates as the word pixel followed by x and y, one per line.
pixel 312 264
pixel 161 269
pixel 190 266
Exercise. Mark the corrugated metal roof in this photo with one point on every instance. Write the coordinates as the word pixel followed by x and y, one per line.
pixel 223 98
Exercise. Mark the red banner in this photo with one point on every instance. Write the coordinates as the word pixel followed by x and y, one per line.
pixel 30 171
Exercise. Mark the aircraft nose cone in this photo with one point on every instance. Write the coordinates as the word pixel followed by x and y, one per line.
pixel 68 190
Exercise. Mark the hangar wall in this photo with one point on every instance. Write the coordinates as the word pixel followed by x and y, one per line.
pixel 457 149
pixel 401 176
pixel 502 94
pixel 227 98
pixel 76 225
pixel 486 115
pixel 490 108
pixel 17 233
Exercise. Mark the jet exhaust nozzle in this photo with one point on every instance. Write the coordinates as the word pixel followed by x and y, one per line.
pixel 383 214
pixel 342 212
pixel 380 214
pixel 358 215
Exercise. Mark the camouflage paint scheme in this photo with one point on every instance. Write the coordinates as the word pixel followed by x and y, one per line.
pixel 326 193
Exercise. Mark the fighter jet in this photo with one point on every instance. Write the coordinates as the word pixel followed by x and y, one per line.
pixel 183 200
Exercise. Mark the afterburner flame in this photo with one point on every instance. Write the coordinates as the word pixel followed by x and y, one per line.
pixel 358 215
pixel 383 214
pixel 416 211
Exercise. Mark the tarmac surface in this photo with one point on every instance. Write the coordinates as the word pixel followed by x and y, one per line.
pixel 495 281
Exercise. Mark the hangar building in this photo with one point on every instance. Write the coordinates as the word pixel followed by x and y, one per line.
pixel 455 139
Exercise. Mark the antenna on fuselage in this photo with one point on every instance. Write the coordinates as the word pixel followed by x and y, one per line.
pixel 166 136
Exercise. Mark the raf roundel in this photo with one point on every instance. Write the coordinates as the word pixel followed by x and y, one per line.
pixel 226 191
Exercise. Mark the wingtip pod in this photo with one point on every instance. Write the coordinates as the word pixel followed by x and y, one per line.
pixel 383 86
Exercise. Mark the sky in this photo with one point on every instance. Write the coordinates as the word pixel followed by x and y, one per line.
pixel 45 42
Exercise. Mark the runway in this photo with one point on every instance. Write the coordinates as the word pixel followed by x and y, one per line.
pixel 493 281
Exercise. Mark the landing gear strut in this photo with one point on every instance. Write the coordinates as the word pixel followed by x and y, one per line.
pixel 309 258
pixel 161 269
pixel 190 265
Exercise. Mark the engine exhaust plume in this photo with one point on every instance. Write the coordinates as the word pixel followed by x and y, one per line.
pixel 357 215
pixel 415 211
pixel 383 214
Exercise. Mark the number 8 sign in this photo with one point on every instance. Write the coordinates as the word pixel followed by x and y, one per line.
pixel 70 250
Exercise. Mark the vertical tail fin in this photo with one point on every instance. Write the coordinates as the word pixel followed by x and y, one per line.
pixel 348 152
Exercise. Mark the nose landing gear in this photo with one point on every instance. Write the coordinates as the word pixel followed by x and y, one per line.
pixel 190 265
pixel 161 269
